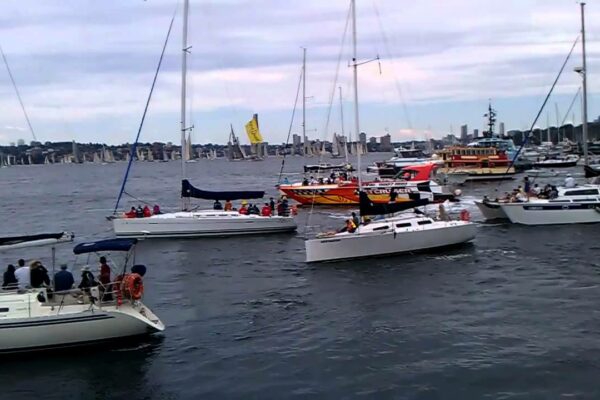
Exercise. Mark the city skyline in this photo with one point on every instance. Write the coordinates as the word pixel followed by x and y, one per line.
pixel 84 69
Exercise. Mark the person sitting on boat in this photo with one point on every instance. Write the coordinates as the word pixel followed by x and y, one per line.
pixel 536 190
pixel 39 275
pixel 266 210
pixel 147 212
pixel 63 279
pixel 348 227
pixel 305 182
pixel 217 205
pixel 228 205
pixel 272 205
pixel 104 278
pixel 553 193
pixel 131 213
pixel 139 212
pixel 286 181
pixel 156 210
pixel 23 275
pixel 355 219
pixel 10 281
pixel 244 208
pixel 87 279
pixel 570 181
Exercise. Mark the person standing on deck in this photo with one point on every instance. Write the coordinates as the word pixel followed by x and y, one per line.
pixel 355 219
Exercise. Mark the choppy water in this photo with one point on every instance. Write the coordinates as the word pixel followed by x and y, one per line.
pixel 513 316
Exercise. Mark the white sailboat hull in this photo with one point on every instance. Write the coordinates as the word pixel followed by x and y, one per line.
pixel 201 224
pixel 491 210
pixel 359 245
pixel 552 213
pixel 75 327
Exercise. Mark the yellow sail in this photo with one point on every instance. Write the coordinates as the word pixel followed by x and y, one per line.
pixel 253 131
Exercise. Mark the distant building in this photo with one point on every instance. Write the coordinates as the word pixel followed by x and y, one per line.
pixel 386 143
pixel 501 128
pixel 296 144
pixel 475 133
pixel 464 131
pixel 362 138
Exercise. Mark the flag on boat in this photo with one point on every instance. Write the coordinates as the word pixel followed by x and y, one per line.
pixel 253 131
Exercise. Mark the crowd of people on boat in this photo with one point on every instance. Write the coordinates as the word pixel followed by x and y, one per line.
pixel 143 212
pixel 522 193
pixel 280 207
pixel 36 275
pixel 331 179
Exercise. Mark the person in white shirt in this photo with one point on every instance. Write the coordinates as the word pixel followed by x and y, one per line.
pixel 570 181
pixel 23 275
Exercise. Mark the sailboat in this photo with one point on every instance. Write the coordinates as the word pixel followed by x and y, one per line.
pixel 396 234
pixel 574 204
pixel 256 139
pixel 203 223
pixel 235 150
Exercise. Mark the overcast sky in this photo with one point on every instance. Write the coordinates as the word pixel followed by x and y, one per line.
pixel 84 67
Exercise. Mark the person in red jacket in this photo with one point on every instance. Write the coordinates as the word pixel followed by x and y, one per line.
pixel 244 208
pixel 147 212
pixel 131 213
pixel 266 210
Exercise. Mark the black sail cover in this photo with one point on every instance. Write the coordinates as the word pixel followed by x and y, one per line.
pixel 368 207
pixel 590 172
pixel 187 190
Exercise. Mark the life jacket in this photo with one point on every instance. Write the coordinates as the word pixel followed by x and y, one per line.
pixel 266 211
pixel 147 212
pixel 243 210
pixel 350 226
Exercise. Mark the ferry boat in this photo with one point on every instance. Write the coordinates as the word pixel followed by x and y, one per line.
pixel 478 163
pixel 414 182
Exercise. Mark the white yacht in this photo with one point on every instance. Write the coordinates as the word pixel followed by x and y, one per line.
pixel 39 318
pixel 205 222
pixel 402 233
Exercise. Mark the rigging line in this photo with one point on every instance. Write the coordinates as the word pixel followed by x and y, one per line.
pixel 386 44
pixel 134 145
pixel 287 140
pixel 12 79
pixel 526 139
pixel 571 106
pixel 331 98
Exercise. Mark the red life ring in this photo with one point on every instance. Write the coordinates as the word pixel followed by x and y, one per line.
pixel 132 286
pixel 465 216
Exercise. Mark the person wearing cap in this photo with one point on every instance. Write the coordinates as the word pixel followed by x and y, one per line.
pixel 63 279
pixel 570 181
pixel 244 208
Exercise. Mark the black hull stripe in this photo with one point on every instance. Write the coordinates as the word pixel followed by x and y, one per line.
pixel 56 321
pixel 100 342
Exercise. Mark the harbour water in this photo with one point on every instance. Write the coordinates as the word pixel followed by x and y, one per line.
pixel 512 316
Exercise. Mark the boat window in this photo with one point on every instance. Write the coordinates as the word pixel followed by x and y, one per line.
pixel 581 192
pixel 381 228
pixel 3 309
pixel 403 225
pixel 424 222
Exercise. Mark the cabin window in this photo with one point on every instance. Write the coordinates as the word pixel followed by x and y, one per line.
pixel 424 222
pixel 403 225
pixel 581 192
pixel 381 228
pixel 4 309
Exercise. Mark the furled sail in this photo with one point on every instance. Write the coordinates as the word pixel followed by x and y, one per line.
pixel 253 131
pixel 368 207
pixel 187 190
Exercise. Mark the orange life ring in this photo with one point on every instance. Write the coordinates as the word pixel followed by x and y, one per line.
pixel 465 216
pixel 132 286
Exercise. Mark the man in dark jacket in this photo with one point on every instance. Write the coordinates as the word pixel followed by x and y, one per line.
pixel 63 279
pixel 39 275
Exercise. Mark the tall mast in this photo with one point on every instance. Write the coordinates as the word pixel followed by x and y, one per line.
pixel 304 144
pixel 184 53
pixel 342 120
pixel 584 72
pixel 557 123
pixel 355 68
